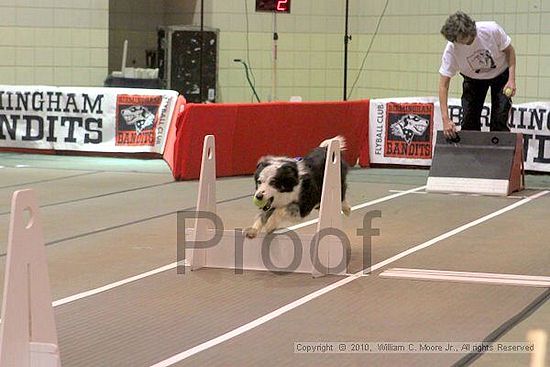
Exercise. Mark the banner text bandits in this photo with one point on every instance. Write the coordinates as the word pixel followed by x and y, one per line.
pixel 37 126
pixel 409 130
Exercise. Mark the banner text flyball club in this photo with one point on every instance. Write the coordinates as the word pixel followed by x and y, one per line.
pixel 52 116
pixel 409 130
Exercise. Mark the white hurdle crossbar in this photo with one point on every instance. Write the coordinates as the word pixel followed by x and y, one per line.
pixel 28 335
pixel 286 251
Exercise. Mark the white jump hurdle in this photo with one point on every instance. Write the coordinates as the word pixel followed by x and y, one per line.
pixel 539 338
pixel 234 251
pixel 28 336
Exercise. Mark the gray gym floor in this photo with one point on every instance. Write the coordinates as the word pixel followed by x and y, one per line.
pixel 107 220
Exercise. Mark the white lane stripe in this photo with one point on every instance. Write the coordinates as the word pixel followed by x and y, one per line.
pixel 255 323
pixel 107 287
pixel 419 192
pixel 361 206
pixel 467 273
pixel 173 265
pixel 274 314
pixel 468 277
pixel 455 231
pixel 468 194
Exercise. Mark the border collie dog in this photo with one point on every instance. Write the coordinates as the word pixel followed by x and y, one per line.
pixel 290 189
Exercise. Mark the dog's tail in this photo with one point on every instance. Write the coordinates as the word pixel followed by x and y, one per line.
pixel 340 139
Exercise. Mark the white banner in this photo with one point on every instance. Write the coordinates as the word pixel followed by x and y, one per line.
pixel 85 119
pixel 402 130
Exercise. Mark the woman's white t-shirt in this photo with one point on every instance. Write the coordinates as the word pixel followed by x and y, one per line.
pixel 483 59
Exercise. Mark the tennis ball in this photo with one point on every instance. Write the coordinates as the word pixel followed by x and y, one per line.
pixel 508 92
pixel 259 203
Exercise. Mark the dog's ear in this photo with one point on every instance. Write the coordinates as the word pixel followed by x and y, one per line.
pixel 262 163
pixel 286 177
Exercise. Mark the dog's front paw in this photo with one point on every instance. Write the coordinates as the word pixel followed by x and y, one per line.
pixel 346 209
pixel 250 232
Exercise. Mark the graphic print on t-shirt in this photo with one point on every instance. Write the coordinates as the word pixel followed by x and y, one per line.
pixel 481 61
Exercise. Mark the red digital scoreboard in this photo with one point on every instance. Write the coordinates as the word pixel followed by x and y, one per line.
pixel 278 6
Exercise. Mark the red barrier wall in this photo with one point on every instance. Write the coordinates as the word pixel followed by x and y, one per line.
pixel 245 132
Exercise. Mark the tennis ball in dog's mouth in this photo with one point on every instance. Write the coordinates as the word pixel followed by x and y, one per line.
pixel 259 203
pixel 508 92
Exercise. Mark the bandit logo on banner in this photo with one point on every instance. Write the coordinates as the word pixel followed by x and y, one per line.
pixel 136 119
pixel 409 130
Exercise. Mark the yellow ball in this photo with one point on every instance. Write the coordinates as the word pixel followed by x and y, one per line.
pixel 259 203
pixel 508 92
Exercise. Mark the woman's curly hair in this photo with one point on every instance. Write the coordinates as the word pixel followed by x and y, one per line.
pixel 458 24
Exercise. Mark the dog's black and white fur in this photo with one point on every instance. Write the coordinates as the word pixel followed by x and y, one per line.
pixel 292 188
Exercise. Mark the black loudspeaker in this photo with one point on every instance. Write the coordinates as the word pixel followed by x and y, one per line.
pixel 488 163
pixel 181 52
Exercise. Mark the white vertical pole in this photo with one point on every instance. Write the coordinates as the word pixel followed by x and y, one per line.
pixel 274 58
pixel 124 57
pixel 206 201
pixel 330 211
pixel 539 338
pixel 28 335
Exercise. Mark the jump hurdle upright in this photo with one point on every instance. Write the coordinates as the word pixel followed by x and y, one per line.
pixel 324 252
pixel 28 335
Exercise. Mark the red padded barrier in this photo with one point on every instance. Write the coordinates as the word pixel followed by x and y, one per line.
pixel 245 132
